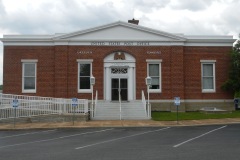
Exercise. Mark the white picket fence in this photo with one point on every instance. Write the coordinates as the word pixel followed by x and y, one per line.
pixel 33 106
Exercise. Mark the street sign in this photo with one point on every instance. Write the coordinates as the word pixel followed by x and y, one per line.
pixel 177 101
pixel 74 102
pixel 15 102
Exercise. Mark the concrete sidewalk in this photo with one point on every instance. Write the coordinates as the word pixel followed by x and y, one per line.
pixel 117 123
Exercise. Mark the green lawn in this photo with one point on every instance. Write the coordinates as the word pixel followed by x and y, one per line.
pixel 172 116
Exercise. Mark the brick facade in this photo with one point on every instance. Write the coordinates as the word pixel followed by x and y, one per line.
pixel 57 69
pixel 181 57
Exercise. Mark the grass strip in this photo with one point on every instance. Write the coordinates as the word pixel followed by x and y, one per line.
pixel 171 116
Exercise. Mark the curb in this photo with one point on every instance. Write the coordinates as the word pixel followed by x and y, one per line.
pixel 105 124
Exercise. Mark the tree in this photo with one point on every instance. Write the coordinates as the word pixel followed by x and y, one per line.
pixel 233 82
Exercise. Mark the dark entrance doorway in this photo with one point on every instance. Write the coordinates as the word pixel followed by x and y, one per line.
pixel 119 85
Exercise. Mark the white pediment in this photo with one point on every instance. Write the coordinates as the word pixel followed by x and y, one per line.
pixel 117 34
pixel 120 31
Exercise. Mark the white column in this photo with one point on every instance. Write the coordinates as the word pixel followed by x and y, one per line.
pixel 107 84
pixel 130 84
pixel 104 83
pixel 134 83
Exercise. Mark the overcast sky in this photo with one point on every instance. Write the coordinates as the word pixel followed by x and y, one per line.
pixel 192 17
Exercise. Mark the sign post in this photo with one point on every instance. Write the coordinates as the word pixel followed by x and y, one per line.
pixel 74 105
pixel 148 83
pixel 92 81
pixel 177 103
pixel 15 105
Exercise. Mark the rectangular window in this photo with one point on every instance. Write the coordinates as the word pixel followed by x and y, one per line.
pixel 29 76
pixel 154 71
pixel 84 75
pixel 208 76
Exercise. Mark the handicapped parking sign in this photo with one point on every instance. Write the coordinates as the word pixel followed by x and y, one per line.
pixel 74 102
pixel 177 101
pixel 15 102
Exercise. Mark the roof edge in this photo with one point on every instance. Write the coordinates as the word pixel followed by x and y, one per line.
pixel 134 26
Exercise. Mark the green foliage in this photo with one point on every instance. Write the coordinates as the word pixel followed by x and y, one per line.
pixel 1 87
pixel 233 82
pixel 171 116
pixel 237 94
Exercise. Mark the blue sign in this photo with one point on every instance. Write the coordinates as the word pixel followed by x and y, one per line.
pixel 15 102
pixel 177 101
pixel 74 102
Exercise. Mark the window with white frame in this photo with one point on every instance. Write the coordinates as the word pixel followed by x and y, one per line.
pixel 29 76
pixel 208 75
pixel 154 71
pixel 84 75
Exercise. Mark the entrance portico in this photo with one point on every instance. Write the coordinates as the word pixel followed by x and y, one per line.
pixel 119 77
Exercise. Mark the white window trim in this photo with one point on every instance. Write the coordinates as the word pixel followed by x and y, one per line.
pixel 208 61
pixel 214 76
pixel 155 61
pixel 31 61
pixel 84 61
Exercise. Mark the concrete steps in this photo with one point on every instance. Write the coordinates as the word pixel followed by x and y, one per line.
pixel 111 111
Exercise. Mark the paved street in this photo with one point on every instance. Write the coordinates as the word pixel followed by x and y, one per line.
pixel 213 142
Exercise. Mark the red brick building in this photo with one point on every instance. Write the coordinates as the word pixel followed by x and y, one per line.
pixel 120 56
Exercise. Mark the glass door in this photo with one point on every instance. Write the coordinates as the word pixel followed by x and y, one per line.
pixel 119 86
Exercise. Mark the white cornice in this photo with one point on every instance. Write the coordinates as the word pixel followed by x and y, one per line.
pixel 27 43
pixel 87 43
pixel 208 40
pixel 27 40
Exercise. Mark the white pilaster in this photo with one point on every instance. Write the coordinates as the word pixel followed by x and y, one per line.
pixel 130 84
pixel 108 84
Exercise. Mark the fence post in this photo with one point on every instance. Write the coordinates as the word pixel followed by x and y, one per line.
pixel 65 106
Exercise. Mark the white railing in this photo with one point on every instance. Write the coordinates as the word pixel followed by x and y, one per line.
pixel 33 106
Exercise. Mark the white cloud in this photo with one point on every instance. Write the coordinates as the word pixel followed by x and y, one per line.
pixel 184 16
pixel 50 16
pixel 2 9
pixel 191 5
